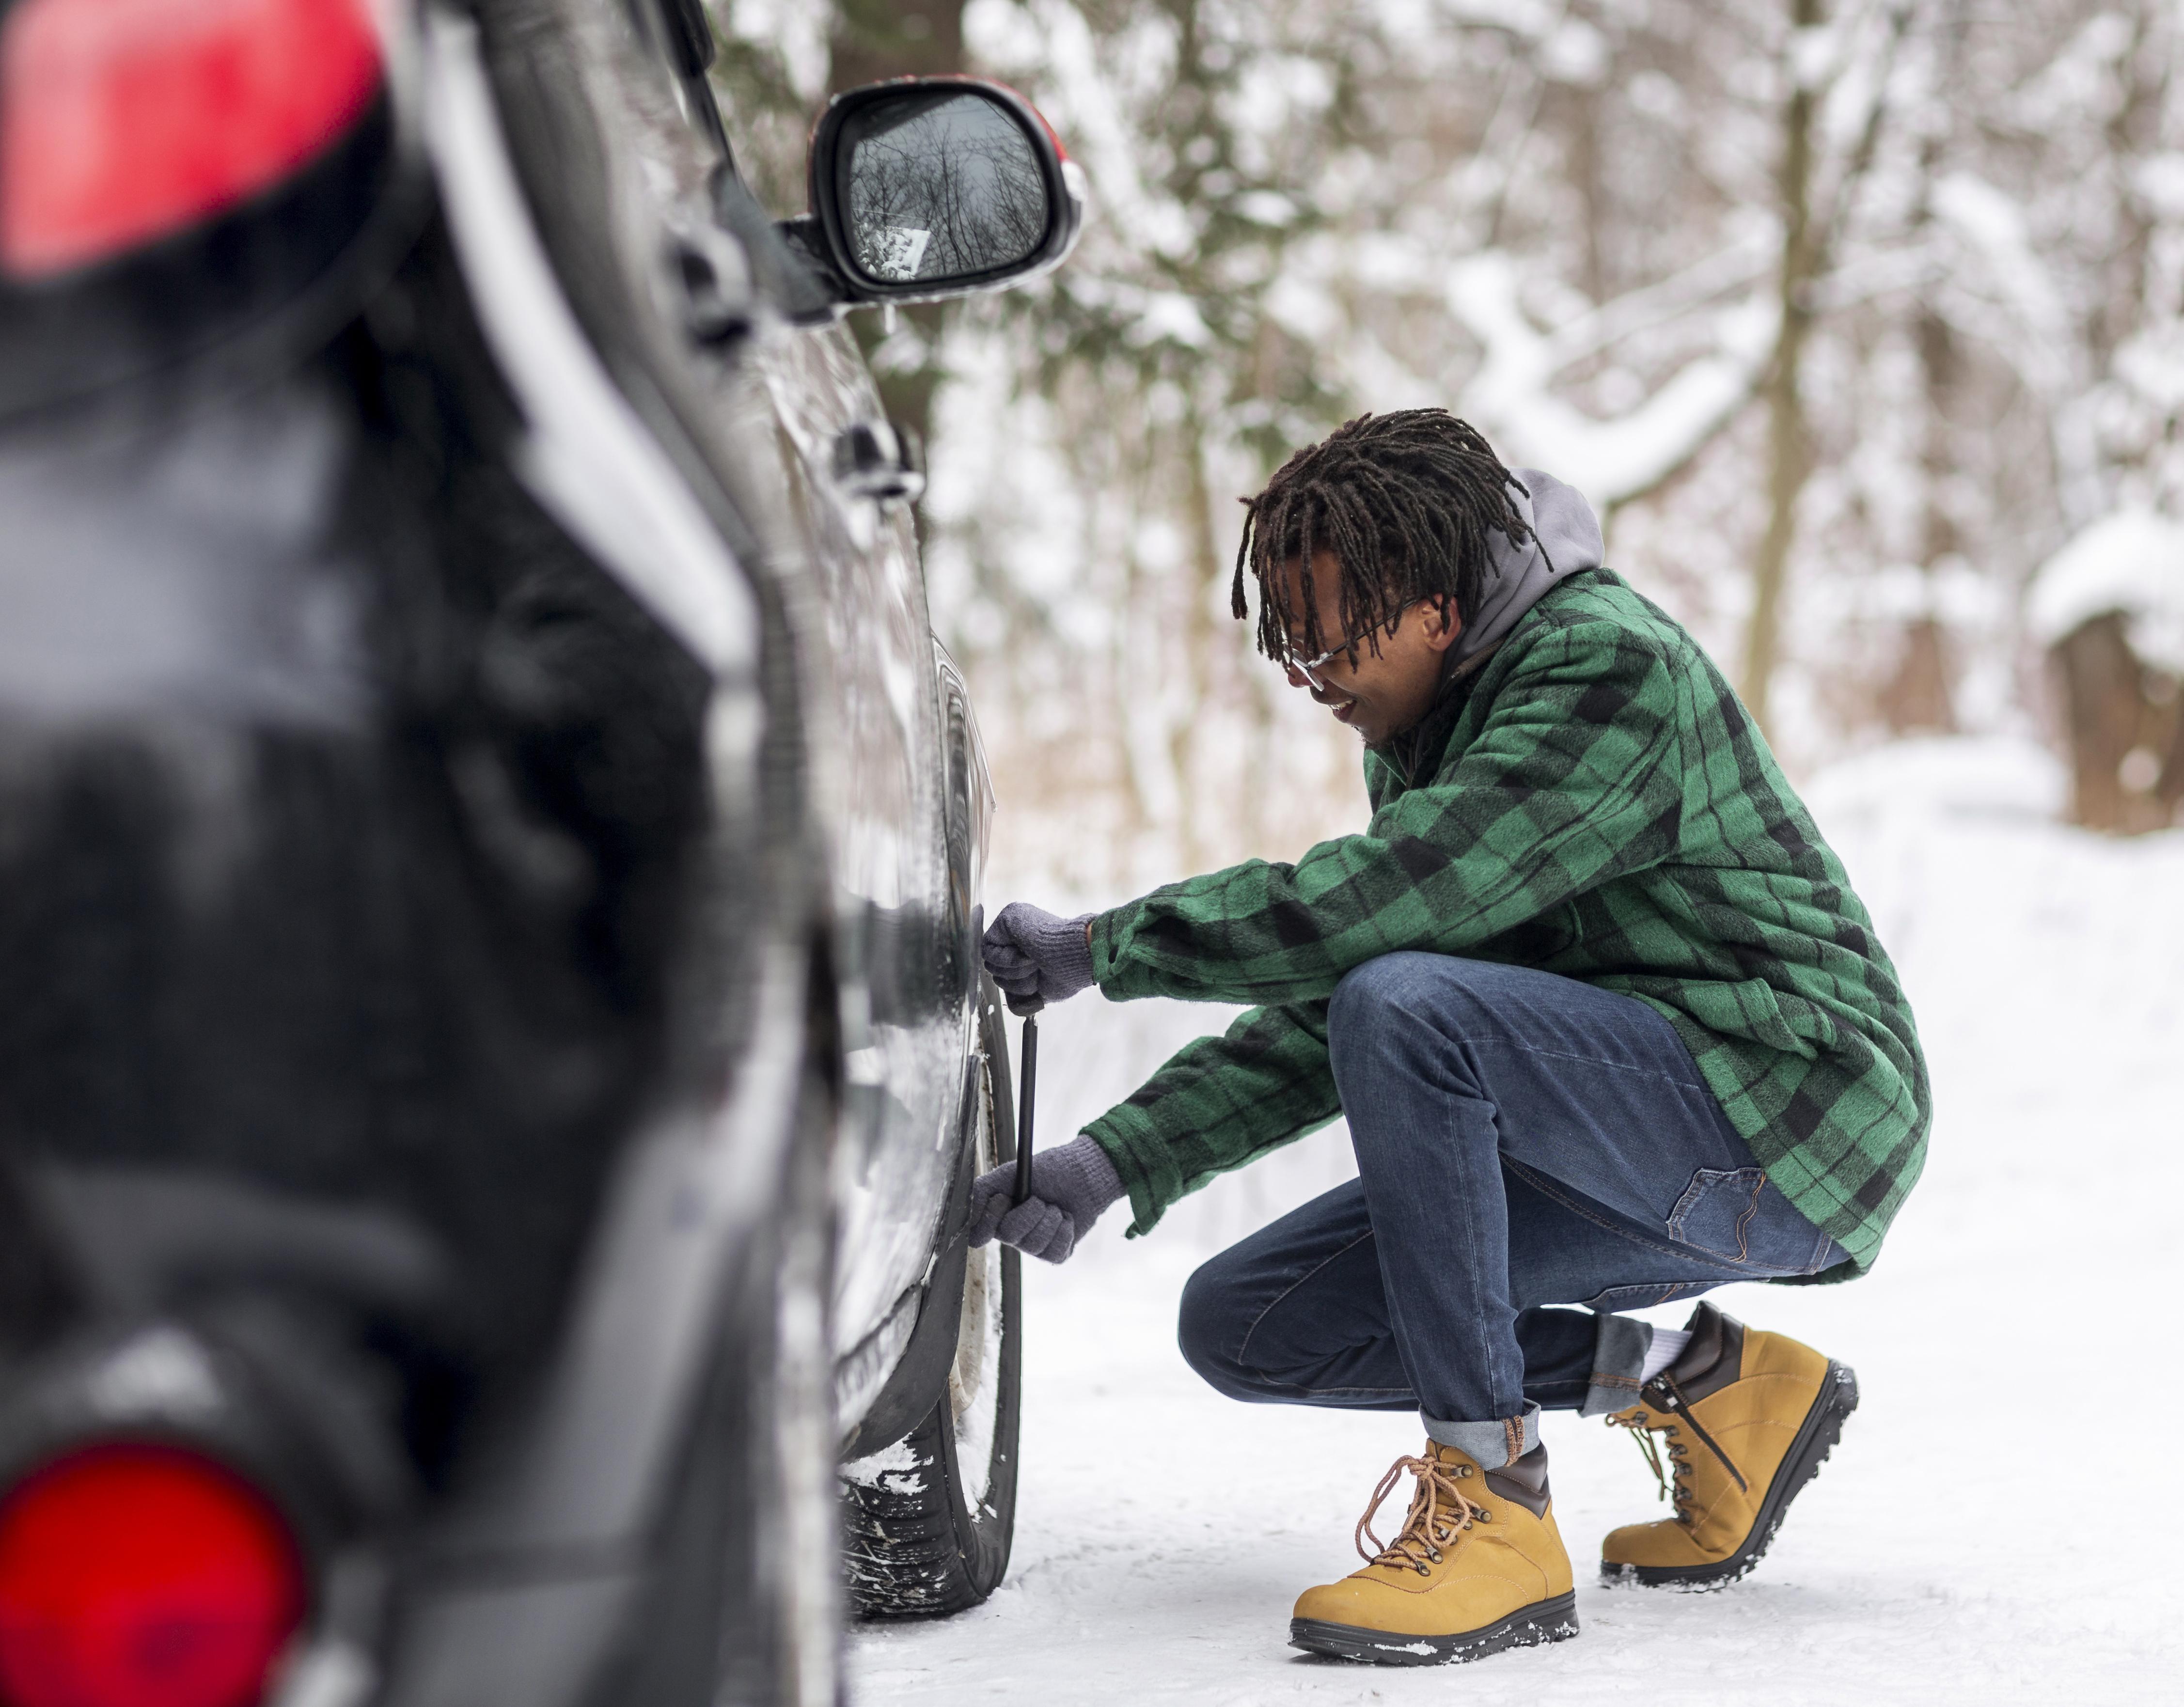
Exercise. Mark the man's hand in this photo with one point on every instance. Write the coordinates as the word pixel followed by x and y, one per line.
pixel 1069 1188
pixel 1031 953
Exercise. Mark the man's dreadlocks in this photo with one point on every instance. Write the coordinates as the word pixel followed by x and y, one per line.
pixel 1403 500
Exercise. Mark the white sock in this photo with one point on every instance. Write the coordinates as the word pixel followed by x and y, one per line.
pixel 1668 1343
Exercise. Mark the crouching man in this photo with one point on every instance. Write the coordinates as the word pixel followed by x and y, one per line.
pixel 1607 1025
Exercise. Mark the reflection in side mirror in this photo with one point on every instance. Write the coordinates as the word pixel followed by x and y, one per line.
pixel 938 187
pixel 934 186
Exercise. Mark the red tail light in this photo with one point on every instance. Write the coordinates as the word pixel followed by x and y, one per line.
pixel 142 1577
pixel 122 120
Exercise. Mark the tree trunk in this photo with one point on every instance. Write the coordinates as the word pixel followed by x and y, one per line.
pixel 1788 447
pixel 1202 637
pixel 1918 697
pixel 873 40
pixel 2125 728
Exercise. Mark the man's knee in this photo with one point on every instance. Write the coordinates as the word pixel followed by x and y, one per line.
pixel 1210 1327
pixel 1387 1000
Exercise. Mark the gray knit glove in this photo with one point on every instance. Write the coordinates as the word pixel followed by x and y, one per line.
pixel 1031 953
pixel 1069 1188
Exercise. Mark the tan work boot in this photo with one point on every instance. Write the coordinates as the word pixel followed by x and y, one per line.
pixel 1744 1419
pixel 1479 1567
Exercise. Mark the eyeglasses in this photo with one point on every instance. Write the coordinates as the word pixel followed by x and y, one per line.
pixel 1312 669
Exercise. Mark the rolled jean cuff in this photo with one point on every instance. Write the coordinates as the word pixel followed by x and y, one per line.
pixel 1490 1445
pixel 1619 1346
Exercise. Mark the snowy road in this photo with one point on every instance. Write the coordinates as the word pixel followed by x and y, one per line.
pixel 2000 1522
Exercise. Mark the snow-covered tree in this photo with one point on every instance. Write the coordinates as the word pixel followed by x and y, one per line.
pixel 1846 313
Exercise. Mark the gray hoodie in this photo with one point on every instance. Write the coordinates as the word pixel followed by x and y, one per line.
pixel 1565 539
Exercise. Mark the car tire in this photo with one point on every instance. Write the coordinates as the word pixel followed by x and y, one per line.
pixel 927 1521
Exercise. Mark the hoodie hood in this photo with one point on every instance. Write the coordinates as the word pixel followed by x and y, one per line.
pixel 1565 539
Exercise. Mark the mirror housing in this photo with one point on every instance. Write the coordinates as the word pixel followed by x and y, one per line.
pixel 950 123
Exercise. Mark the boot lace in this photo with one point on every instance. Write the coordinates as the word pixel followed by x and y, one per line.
pixel 1440 1512
pixel 1665 1395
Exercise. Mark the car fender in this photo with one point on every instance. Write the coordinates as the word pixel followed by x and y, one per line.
pixel 921 1373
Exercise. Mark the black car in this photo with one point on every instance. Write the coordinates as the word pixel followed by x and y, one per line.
pixel 491 1046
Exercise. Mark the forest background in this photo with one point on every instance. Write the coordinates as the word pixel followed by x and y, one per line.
pixel 1861 323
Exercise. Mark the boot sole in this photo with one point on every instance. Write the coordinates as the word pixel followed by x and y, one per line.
pixel 1816 1439
pixel 1545 1620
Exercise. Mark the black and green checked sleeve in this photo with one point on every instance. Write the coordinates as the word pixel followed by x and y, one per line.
pixel 1219 1103
pixel 1572 782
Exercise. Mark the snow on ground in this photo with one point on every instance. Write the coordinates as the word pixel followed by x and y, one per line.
pixel 2000 1522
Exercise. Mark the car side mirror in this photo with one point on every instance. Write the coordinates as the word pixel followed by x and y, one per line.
pixel 924 187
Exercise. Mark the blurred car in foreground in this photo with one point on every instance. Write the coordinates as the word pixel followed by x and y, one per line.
pixel 492 1048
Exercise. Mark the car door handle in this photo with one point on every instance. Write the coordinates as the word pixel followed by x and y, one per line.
pixel 876 459
pixel 713 313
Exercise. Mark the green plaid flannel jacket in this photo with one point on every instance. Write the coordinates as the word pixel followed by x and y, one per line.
pixel 1593 802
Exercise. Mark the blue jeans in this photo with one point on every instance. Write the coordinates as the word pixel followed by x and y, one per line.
pixel 1523 1140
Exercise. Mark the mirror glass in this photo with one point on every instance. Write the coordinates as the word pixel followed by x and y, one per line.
pixel 938 185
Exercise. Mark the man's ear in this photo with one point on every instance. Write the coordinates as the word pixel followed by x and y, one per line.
pixel 1443 623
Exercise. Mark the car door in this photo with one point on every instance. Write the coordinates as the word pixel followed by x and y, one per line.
pixel 882 781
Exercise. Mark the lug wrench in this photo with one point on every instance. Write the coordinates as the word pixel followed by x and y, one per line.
pixel 1027 1087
